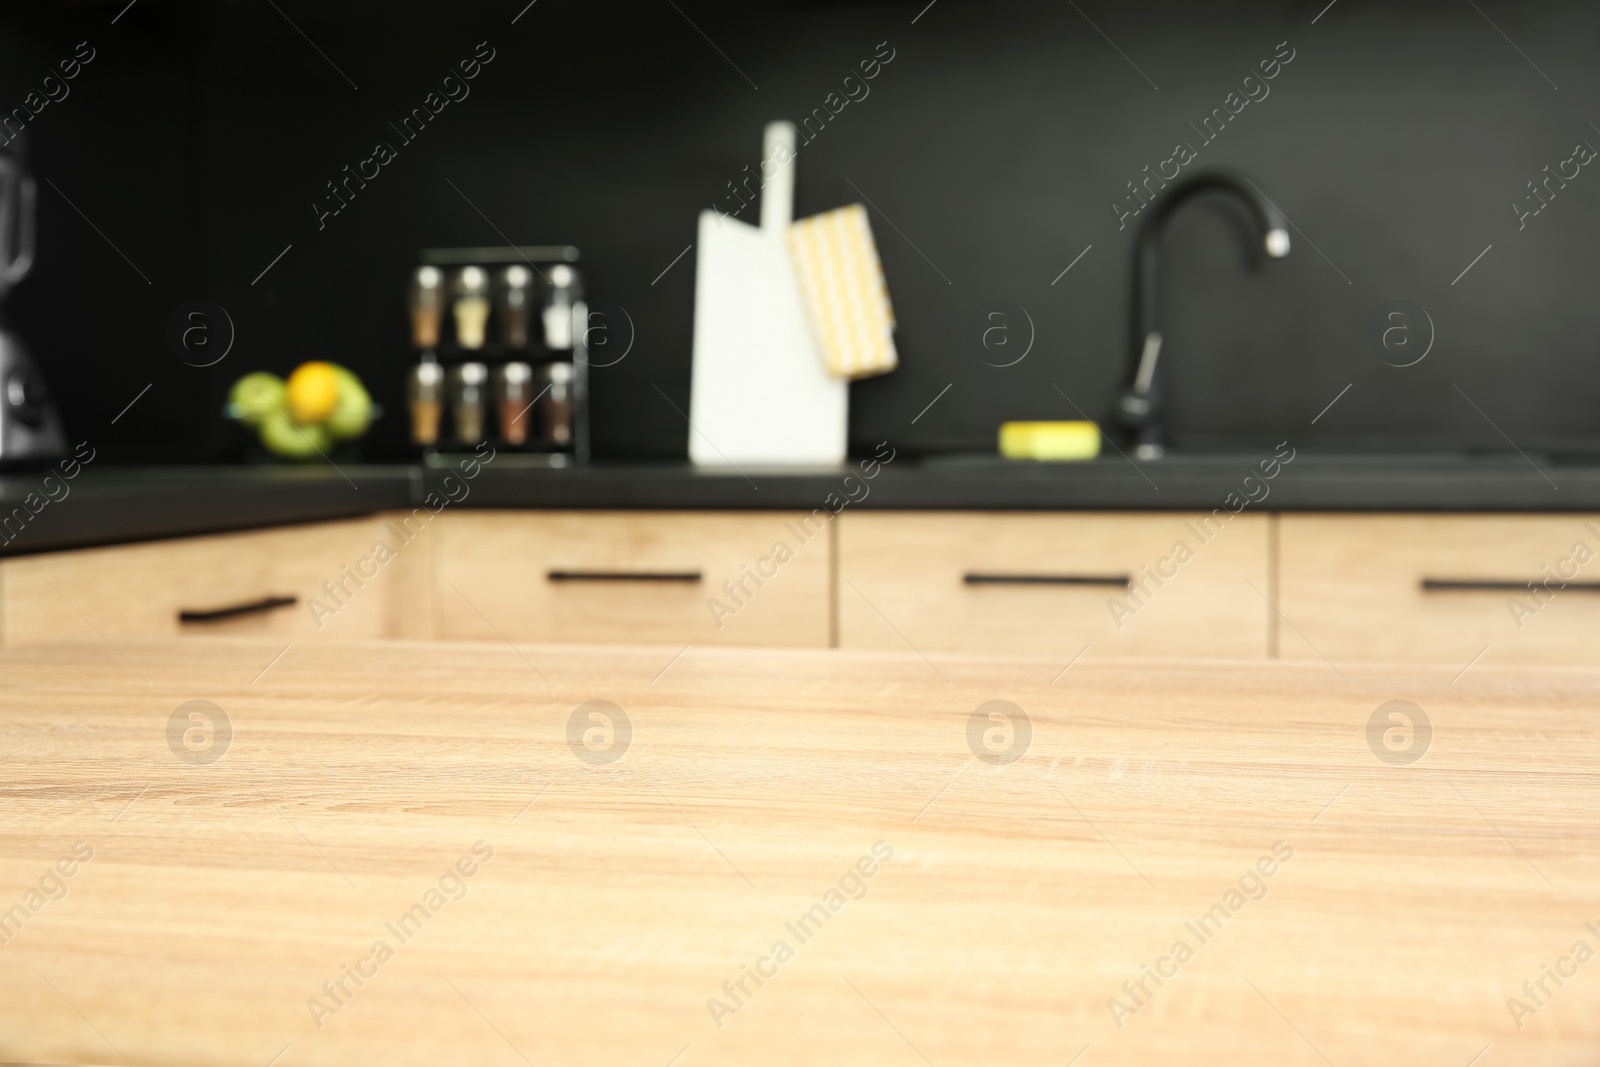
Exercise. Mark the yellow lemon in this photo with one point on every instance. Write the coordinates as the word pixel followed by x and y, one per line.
pixel 313 392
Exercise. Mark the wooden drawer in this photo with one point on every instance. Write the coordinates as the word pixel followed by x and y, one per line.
pixel 1354 587
pixel 1051 584
pixel 634 576
pixel 139 590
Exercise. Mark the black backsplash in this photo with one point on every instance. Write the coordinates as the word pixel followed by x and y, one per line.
pixel 992 147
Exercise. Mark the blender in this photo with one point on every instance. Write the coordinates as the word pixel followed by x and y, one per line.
pixel 30 428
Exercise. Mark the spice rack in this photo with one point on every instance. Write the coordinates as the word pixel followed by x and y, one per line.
pixel 500 342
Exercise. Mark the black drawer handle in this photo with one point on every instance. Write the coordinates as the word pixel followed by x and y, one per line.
pixel 1491 585
pixel 1121 581
pixel 623 576
pixel 254 607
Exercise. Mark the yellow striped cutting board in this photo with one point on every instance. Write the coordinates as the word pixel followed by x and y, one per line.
pixel 844 292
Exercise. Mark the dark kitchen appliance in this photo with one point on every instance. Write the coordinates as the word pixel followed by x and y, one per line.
pixel 30 428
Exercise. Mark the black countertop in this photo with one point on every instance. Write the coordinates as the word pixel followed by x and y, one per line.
pixel 44 511
pixel 1445 482
pixel 108 505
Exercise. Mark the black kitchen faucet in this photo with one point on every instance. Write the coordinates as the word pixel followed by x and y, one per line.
pixel 1139 408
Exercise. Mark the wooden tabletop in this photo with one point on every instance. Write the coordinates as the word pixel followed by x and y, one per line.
pixel 411 854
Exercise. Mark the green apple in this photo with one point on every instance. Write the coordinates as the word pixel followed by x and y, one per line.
pixel 255 396
pixel 352 414
pixel 282 437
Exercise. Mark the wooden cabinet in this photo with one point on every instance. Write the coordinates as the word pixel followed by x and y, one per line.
pixel 145 590
pixel 1441 587
pixel 1437 588
pixel 1050 584
pixel 751 578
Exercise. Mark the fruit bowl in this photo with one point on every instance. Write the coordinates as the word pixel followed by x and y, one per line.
pixel 320 411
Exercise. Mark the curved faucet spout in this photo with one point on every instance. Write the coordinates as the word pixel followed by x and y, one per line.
pixel 1139 407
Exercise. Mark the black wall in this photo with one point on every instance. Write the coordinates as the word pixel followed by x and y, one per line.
pixel 993 146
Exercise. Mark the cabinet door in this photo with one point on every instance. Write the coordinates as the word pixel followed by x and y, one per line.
pixel 261 582
pixel 1441 587
pixel 736 578
pixel 1051 584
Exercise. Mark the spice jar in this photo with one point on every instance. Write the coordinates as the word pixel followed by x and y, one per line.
pixel 472 307
pixel 426 393
pixel 513 397
pixel 467 388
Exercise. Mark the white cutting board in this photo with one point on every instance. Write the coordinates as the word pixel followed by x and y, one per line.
pixel 760 393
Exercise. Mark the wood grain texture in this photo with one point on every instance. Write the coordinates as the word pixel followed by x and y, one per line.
pixel 620 897
pixel 410 599
pixel 903 583
pixel 1351 586
pixel 493 577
